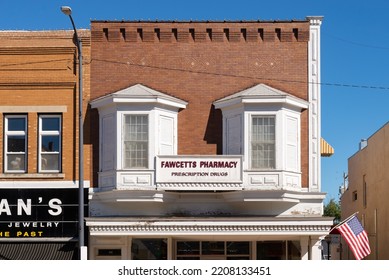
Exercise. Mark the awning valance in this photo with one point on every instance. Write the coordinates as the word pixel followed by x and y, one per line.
pixel 38 251
pixel 326 149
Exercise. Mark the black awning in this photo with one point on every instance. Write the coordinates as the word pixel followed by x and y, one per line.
pixel 38 251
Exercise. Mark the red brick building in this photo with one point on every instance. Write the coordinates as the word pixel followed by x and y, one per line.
pixel 206 140
pixel 38 132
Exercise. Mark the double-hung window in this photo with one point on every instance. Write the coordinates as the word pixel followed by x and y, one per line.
pixel 15 135
pixel 263 143
pixel 136 141
pixel 50 143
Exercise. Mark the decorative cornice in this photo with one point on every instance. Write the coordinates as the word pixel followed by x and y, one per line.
pixel 209 229
pixel 315 20
pixel 233 32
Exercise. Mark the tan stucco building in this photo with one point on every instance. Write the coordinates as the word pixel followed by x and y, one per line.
pixel 368 191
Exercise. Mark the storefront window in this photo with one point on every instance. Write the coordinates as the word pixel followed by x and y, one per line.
pixel 294 251
pixel 230 250
pixel 278 250
pixel 188 248
pixel 212 248
pixel 149 249
pixel 271 250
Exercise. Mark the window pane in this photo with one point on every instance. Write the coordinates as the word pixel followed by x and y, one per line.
pixel 50 162
pixel 16 144
pixel 188 248
pixel 50 124
pixel 263 142
pixel 238 248
pixel 15 162
pixel 50 144
pixel 294 250
pixel 135 141
pixel 16 124
pixel 271 250
pixel 213 248
pixel 136 128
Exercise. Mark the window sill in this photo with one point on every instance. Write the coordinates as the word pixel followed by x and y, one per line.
pixel 32 175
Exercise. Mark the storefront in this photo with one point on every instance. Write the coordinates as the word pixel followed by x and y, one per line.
pixel 230 238
pixel 204 150
pixel 38 223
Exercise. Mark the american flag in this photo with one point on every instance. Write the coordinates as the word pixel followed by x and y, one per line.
pixel 356 237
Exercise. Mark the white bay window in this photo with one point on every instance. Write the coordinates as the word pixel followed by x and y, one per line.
pixel 262 124
pixel 136 125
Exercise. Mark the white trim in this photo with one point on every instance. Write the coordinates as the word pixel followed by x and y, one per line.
pixel 152 195
pixel 7 133
pixel 122 144
pixel 315 103
pixel 41 184
pixel 138 94
pixel 42 133
pixel 262 94
pixel 243 226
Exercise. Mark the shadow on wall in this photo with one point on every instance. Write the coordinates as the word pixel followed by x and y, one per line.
pixel 213 133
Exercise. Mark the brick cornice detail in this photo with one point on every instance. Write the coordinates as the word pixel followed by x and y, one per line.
pixel 37 85
pixel 37 50
pixel 233 35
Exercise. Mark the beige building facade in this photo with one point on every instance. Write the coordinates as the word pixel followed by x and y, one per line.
pixel 368 191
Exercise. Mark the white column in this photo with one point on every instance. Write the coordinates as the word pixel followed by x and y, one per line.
pixel 84 253
pixel 304 247
pixel 314 103
pixel 170 247
pixel 315 248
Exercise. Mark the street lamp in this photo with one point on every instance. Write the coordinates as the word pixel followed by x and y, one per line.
pixel 68 11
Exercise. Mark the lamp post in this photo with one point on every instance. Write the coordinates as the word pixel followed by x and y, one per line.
pixel 82 249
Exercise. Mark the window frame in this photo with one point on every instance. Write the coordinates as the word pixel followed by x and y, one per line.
pixel 123 129
pixel 42 133
pixel 8 133
pixel 251 141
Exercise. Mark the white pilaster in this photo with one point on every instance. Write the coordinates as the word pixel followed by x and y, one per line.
pixel 304 247
pixel 314 103
pixel 315 248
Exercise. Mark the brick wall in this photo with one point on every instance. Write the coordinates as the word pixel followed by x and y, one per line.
pixel 39 75
pixel 201 62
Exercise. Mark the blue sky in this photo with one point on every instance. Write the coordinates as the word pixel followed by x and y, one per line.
pixel 354 51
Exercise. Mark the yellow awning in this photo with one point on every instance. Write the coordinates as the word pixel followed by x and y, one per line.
pixel 326 149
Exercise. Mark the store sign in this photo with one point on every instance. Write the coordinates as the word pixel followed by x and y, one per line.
pixel 39 213
pixel 199 169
